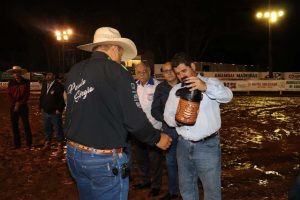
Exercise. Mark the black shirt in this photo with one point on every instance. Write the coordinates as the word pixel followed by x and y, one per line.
pixel 160 98
pixel 52 99
pixel 102 105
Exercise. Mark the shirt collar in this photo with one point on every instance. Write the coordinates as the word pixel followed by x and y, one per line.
pixel 100 54
pixel 150 82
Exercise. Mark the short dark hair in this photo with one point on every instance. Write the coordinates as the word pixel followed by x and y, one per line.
pixel 54 72
pixel 168 62
pixel 181 58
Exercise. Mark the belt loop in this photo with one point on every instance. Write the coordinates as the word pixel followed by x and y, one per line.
pixel 114 153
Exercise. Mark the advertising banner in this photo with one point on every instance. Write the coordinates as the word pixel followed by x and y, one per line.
pixel 292 85
pixel 5 76
pixel 3 85
pixel 233 75
pixel 37 76
pixel 34 86
pixel 291 75
pixel 276 75
pixel 256 85
pixel 267 85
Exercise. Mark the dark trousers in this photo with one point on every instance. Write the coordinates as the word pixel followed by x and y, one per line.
pixel 149 160
pixel 14 117
pixel 53 120
pixel 294 193
pixel 171 161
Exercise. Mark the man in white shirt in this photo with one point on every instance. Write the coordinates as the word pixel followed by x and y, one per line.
pixel 198 147
pixel 149 158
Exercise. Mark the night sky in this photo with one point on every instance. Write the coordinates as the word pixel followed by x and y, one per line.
pixel 209 30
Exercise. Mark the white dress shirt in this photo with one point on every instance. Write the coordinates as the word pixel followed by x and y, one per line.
pixel 145 94
pixel 209 118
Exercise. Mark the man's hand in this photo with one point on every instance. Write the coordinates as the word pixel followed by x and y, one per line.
pixel 194 83
pixel 164 142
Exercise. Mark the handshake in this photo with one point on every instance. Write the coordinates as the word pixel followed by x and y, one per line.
pixel 164 142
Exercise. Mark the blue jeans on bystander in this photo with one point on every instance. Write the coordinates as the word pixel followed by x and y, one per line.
pixel 53 120
pixel 94 175
pixel 201 159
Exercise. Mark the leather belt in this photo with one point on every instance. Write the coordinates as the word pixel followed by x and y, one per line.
pixel 206 138
pixel 93 150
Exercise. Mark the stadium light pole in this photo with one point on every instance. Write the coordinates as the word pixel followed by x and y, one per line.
pixel 63 36
pixel 271 16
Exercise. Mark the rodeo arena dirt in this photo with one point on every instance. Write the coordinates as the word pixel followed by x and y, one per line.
pixel 259 140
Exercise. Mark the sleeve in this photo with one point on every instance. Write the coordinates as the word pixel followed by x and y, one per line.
pixel 134 120
pixel 216 90
pixel 170 108
pixel 157 106
pixel 26 93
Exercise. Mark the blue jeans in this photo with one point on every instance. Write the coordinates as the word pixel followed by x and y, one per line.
pixel 53 120
pixel 94 177
pixel 203 160
pixel 171 161
pixel 294 193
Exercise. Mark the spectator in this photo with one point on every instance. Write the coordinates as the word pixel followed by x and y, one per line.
pixel 158 106
pixel 52 104
pixel 18 92
pixel 149 158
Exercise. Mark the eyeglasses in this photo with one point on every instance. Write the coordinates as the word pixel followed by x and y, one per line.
pixel 167 71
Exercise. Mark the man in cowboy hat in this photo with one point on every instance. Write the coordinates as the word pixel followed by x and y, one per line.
pixel 102 107
pixel 18 92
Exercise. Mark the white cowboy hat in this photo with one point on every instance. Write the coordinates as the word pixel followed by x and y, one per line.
pixel 16 69
pixel 108 35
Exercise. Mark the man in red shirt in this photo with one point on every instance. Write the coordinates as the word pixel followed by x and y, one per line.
pixel 19 91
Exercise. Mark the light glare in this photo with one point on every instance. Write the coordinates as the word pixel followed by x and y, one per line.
pixel 57 33
pixel 272 16
pixel 267 15
pixel 63 35
pixel 259 15
pixel 280 13
pixel 273 19
pixel 69 31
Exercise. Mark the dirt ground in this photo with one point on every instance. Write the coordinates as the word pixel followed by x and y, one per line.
pixel 260 154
